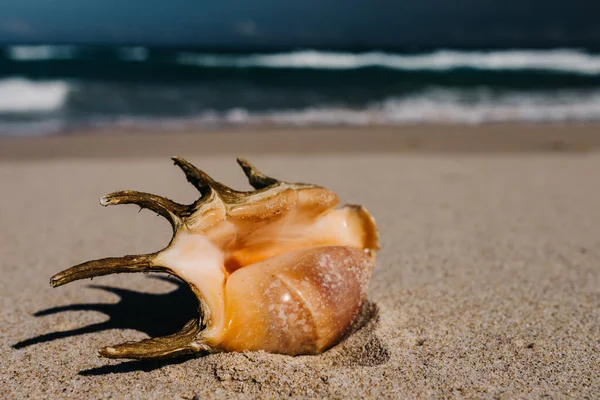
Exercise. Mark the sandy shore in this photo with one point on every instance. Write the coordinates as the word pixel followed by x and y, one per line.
pixel 487 284
pixel 505 138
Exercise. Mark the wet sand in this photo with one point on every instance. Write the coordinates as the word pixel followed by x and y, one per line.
pixel 487 284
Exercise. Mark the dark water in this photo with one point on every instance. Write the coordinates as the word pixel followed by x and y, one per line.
pixel 48 89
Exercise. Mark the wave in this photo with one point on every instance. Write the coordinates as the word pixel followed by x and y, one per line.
pixel 19 95
pixel 565 60
pixel 442 107
pixel 435 106
pixel 51 53
pixel 38 53
pixel 47 106
pixel 571 61
pixel 428 108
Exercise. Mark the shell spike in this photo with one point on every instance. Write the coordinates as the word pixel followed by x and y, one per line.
pixel 180 343
pixel 200 179
pixel 204 183
pixel 169 209
pixel 107 266
pixel 257 179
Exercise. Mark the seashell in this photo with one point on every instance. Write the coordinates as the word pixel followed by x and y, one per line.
pixel 279 268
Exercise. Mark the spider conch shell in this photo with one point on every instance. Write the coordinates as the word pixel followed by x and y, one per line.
pixel 279 268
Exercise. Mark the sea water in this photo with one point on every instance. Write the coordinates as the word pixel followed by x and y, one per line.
pixel 51 89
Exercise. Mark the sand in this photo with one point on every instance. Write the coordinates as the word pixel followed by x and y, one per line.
pixel 487 283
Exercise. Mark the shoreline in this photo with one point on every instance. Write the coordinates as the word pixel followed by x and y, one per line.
pixel 491 138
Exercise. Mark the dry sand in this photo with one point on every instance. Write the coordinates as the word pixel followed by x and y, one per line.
pixel 487 284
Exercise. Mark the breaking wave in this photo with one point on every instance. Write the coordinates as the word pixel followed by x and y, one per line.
pixel 18 95
pixel 573 61
pixel 38 53
pixel 49 112
pixel 441 106
pixel 566 61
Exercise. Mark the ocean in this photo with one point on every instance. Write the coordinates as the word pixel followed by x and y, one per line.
pixel 47 90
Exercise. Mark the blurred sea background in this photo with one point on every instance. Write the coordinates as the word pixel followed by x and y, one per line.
pixel 49 89
pixel 120 64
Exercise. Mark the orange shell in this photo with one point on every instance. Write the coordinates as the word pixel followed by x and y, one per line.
pixel 279 269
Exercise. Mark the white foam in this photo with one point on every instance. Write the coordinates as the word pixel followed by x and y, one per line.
pixel 432 106
pixel 557 60
pixel 18 95
pixel 435 106
pixel 562 60
pixel 37 53
pixel 448 107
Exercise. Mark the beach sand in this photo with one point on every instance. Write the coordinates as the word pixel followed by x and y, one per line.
pixel 487 284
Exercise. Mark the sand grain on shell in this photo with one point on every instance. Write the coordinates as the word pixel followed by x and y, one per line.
pixel 487 284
